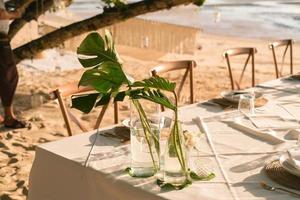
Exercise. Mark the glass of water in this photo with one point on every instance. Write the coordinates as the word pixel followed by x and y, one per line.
pixel 246 104
pixel 145 148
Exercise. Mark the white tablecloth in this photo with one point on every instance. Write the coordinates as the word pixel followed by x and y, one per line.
pixel 58 171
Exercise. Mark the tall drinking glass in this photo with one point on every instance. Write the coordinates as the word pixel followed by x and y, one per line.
pixel 145 123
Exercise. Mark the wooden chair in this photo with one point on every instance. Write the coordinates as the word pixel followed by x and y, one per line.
pixel 68 90
pixel 186 65
pixel 240 51
pixel 286 43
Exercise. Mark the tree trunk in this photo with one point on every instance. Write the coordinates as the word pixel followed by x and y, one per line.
pixel 108 17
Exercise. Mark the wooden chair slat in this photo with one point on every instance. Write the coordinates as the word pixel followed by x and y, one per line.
pixel 288 43
pixel 250 51
pixel 68 90
pixel 170 66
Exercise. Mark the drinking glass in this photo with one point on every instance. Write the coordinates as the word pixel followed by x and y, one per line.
pixel 246 104
pixel 145 151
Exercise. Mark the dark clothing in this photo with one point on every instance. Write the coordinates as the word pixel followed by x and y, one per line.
pixel 8 72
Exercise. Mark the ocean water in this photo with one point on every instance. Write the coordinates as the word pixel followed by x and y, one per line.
pixel 244 18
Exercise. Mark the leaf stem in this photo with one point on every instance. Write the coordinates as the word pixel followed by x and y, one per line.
pixel 146 128
pixel 177 139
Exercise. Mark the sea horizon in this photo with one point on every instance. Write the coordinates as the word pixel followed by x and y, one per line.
pixel 267 19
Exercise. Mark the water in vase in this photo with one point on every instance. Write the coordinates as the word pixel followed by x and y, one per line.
pixel 172 171
pixel 141 156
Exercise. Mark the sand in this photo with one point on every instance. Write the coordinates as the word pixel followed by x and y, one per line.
pixel 32 102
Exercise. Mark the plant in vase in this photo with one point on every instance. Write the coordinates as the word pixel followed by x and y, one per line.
pixel 175 169
pixel 105 74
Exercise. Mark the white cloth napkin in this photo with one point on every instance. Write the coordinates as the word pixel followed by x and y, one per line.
pixel 269 136
pixel 294 158
pixel 273 122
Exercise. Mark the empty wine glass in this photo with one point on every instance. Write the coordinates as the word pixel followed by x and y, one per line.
pixel 246 104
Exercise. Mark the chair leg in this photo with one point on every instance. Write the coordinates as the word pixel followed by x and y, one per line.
pixel 291 56
pixel 182 83
pixel 253 70
pixel 100 117
pixel 77 121
pixel 162 108
pixel 63 111
pixel 192 83
pixel 275 61
pixel 230 72
pixel 116 113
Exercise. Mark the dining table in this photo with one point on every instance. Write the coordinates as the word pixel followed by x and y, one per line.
pixel 91 166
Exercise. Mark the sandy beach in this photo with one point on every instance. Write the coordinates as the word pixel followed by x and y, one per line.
pixel 32 101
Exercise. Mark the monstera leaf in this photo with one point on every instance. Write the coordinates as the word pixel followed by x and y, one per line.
pixel 157 83
pixel 93 51
pixel 108 76
pixel 84 103
pixel 155 96
pixel 104 71
pixel 151 90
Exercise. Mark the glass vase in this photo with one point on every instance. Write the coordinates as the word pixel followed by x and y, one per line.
pixel 175 167
pixel 144 136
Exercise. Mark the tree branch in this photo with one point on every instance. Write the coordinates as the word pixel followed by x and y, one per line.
pixel 107 18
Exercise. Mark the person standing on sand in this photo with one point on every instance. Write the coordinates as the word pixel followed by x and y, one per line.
pixel 8 70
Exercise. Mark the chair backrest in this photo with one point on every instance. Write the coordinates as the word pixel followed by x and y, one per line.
pixel 65 91
pixel 250 51
pixel 282 43
pixel 186 65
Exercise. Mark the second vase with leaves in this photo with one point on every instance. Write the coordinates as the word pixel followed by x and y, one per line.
pixel 105 74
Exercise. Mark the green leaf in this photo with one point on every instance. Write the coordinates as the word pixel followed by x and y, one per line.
pixel 92 51
pixel 104 100
pixel 157 83
pixel 120 96
pixel 92 43
pixel 108 76
pixel 134 92
pixel 129 171
pixel 170 186
pixel 195 176
pixel 199 2
pixel 89 61
pixel 94 78
pixel 84 103
pixel 155 96
pixel 113 72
